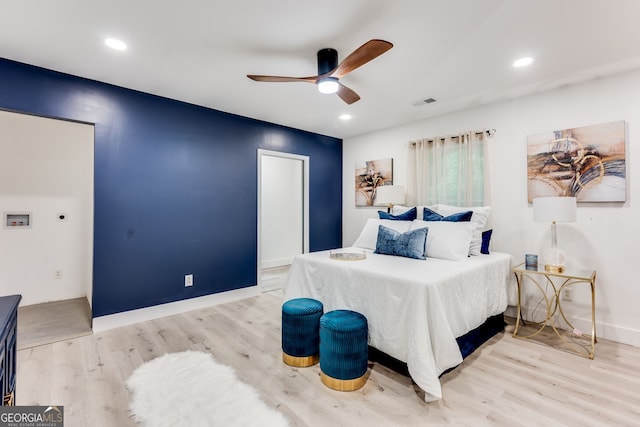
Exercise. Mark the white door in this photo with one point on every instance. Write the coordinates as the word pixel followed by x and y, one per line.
pixel 282 214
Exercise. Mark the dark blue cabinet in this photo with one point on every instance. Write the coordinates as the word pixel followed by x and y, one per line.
pixel 8 349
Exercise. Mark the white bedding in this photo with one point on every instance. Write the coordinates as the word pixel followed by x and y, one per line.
pixel 415 308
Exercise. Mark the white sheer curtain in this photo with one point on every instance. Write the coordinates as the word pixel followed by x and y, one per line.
pixel 451 170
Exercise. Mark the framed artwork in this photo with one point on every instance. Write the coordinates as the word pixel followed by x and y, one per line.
pixel 369 176
pixel 588 163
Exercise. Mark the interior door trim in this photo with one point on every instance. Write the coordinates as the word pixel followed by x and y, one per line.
pixel 305 202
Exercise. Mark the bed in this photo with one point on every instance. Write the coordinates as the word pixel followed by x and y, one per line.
pixel 416 308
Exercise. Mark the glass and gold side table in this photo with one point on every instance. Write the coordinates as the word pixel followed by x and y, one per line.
pixel 551 285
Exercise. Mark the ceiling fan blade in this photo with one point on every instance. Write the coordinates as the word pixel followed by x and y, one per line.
pixel 310 79
pixel 347 95
pixel 365 53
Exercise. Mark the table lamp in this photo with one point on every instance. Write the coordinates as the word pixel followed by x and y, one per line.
pixel 553 210
pixel 389 195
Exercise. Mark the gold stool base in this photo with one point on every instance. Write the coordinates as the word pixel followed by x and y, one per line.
pixel 300 361
pixel 343 385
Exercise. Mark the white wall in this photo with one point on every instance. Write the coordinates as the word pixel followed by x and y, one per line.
pixel 605 236
pixel 46 168
pixel 282 210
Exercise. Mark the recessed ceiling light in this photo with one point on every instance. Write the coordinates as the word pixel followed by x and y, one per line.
pixel 345 117
pixel 523 62
pixel 115 44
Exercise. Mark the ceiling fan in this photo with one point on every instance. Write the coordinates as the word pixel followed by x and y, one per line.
pixel 330 72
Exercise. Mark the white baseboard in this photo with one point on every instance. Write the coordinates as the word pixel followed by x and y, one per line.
pixel 603 330
pixel 272 263
pixel 111 321
pixel 615 333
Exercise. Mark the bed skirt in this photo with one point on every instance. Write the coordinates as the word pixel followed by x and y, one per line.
pixel 468 343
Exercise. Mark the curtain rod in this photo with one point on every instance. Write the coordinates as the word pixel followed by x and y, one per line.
pixel 489 132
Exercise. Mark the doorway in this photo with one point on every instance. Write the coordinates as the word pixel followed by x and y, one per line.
pixel 46 178
pixel 283 218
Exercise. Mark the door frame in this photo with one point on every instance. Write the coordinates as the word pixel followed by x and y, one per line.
pixel 305 203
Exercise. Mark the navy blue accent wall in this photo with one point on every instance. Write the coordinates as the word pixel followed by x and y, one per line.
pixel 175 186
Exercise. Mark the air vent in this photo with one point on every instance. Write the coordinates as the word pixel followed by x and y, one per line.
pixel 423 102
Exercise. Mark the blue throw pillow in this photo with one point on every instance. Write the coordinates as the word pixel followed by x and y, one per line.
pixel 409 215
pixel 486 240
pixel 430 215
pixel 411 244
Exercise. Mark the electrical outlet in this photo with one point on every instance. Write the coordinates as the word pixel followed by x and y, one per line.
pixel 566 295
pixel 57 274
pixel 188 280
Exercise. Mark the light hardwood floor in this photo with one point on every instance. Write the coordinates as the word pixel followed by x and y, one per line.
pixel 508 382
pixel 49 322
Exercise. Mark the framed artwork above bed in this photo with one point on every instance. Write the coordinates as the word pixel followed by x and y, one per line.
pixel 370 175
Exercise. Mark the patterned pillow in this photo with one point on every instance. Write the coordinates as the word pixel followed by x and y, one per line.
pixel 410 244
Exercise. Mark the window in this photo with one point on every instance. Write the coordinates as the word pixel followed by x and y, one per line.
pixel 448 170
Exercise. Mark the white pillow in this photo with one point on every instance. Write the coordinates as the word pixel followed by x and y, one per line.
pixel 369 234
pixel 399 209
pixel 480 217
pixel 446 239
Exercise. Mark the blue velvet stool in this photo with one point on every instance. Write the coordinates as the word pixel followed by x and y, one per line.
pixel 300 331
pixel 344 350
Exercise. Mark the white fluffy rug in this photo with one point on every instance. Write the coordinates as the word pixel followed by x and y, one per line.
pixel 192 389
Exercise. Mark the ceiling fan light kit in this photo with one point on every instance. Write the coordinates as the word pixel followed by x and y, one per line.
pixel 330 72
pixel 328 85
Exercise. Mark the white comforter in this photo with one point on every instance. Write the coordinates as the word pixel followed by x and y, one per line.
pixel 415 308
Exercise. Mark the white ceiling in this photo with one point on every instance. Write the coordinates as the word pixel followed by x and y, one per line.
pixel 200 51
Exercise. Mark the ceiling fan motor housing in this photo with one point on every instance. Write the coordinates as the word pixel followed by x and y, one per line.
pixel 327 60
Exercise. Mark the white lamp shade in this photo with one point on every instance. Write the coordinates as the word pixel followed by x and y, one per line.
pixel 558 209
pixel 390 194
